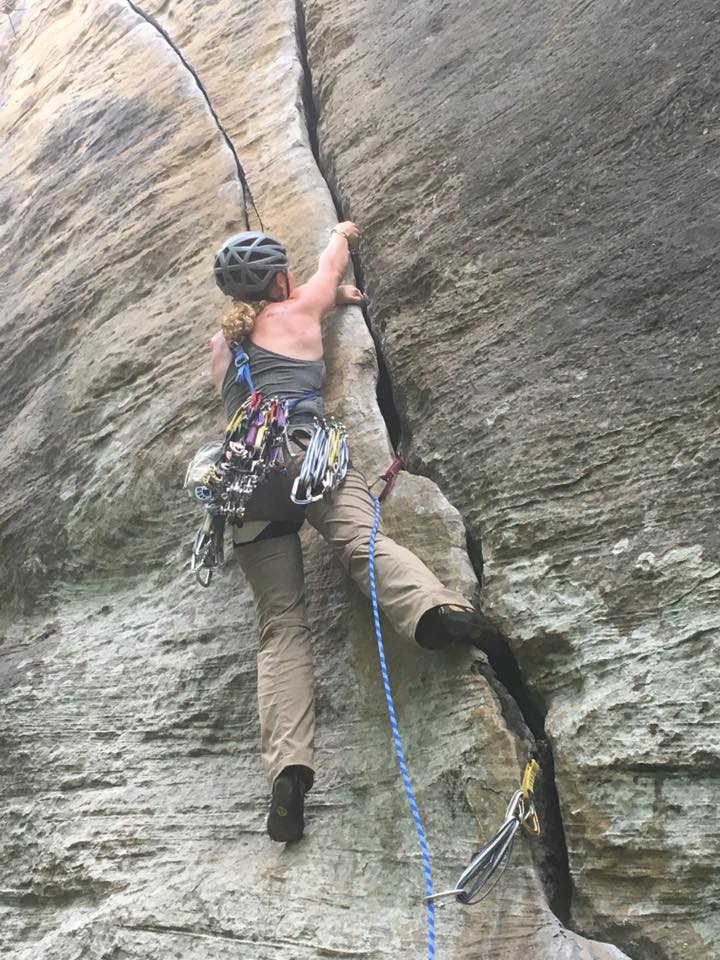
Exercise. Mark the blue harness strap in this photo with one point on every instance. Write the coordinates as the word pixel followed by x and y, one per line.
pixel 242 372
pixel 305 396
pixel 399 752
pixel 242 364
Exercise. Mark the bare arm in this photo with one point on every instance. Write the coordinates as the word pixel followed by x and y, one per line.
pixel 220 357
pixel 319 293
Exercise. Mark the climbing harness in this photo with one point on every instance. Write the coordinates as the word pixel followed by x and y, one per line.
pixel 223 476
pixel 487 866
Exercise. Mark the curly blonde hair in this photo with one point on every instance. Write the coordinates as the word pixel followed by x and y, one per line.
pixel 239 319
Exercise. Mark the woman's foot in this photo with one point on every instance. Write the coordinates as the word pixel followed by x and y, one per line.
pixel 439 626
pixel 347 293
pixel 286 820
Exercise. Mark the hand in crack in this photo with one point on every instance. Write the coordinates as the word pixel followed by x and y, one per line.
pixel 348 294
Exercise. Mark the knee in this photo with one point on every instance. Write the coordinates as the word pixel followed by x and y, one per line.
pixel 356 552
pixel 279 634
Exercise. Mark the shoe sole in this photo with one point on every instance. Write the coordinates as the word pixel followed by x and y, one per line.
pixel 285 822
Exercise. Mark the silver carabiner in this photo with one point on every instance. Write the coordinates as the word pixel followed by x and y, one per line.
pixel 294 495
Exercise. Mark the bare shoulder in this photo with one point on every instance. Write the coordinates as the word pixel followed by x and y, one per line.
pixel 291 327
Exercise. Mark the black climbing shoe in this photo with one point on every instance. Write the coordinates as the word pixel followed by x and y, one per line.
pixel 286 819
pixel 439 626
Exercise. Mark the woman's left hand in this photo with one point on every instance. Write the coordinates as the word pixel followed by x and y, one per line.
pixel 347 293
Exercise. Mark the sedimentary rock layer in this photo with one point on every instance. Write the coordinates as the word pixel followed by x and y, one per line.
pixel 537 185
pixel 132 795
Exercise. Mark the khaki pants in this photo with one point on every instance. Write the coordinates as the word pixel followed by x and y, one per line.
pixel 274 569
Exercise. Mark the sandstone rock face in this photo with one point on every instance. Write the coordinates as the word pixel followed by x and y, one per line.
pixel 538 189
pixel 133 800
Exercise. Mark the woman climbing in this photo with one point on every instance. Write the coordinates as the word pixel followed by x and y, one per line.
pixel 274 327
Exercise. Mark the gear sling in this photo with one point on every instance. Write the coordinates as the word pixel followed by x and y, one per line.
pixel 224 476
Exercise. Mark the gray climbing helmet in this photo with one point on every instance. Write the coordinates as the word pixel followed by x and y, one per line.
pixel 246 264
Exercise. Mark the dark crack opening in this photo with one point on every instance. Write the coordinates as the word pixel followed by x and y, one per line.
pixel 383 387
pixel 520 708
pixel 505 677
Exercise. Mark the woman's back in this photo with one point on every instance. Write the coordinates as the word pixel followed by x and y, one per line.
pixel 275 374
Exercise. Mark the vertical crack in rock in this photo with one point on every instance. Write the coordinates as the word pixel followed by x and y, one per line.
pixel 520 708
pixel 242 178
pixel 383 387
pixel 552 858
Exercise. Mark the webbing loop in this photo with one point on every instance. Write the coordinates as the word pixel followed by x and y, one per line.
pixel 399 752
pixel 242 363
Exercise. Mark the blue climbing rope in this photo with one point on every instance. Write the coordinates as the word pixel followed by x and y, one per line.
pixel 399 752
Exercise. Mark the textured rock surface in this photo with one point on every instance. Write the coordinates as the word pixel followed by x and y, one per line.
pixel 538 188
pixel 132 797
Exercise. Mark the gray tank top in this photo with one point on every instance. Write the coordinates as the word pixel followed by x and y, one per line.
pixel 276 375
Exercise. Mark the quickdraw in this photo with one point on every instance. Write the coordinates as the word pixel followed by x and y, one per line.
pixel 487 866
pixel 325 464
pixel 207 550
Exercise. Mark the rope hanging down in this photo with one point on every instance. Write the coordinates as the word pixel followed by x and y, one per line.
pixel 399 752
pixel 488 865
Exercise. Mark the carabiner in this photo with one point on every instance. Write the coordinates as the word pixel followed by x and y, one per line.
pixel 534 829
pixel 527 788
pixel 294 494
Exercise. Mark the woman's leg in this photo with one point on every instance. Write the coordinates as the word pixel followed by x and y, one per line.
pixel 406 587
pixel 274 570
